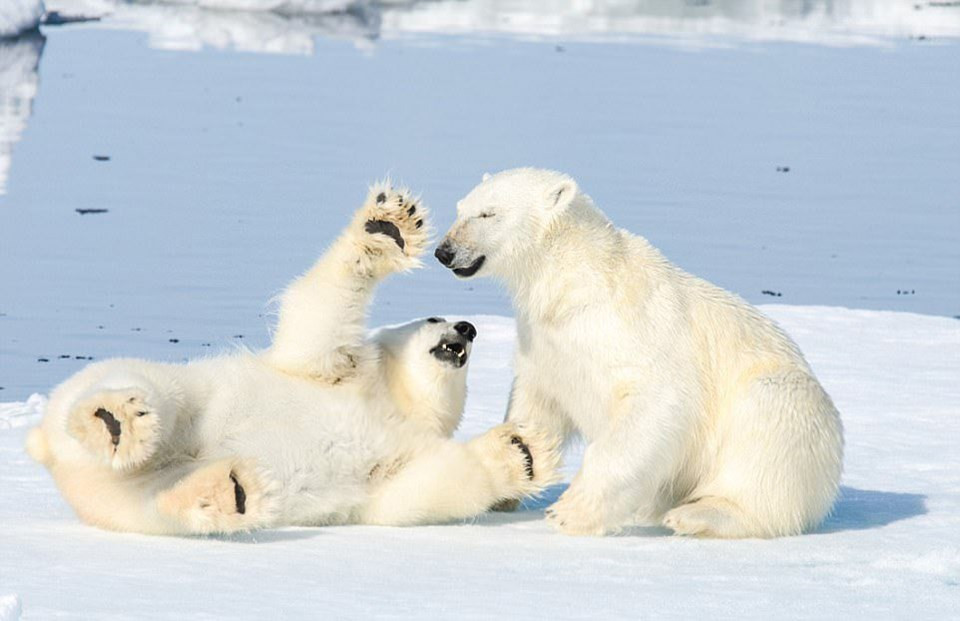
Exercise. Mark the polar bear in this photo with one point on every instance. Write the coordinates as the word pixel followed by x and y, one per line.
pixel 327 426
pixel 699 413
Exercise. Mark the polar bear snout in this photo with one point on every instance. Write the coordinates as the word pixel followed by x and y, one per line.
pixel 462 266
pixel 461 262
pixel 445 253
pixel 466 330
pixel 454 348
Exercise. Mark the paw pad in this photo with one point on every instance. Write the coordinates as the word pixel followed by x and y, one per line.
pixel 239 495
pixel 527 455
pixel 387 228
pixel 113 425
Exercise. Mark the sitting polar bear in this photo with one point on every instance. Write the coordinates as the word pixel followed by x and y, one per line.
pixel 326 426
pixel 699 412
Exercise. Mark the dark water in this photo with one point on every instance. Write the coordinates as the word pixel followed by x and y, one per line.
pixel 228 172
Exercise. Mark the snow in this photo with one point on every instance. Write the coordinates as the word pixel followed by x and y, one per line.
pixel 18 86
pixel 289 26
pixel 841 22
pixel 888 551
pixel 20 414
pixel 10 607
pixel 18 16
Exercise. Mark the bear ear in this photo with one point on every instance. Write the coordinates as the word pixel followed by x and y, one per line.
pixel 486 176
pixel 561 194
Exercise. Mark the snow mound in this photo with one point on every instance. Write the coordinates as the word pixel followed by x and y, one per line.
pixel 18 16
pixel 22 414
pixel 10 607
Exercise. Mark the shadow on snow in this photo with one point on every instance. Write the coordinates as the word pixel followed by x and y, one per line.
pixel 856 509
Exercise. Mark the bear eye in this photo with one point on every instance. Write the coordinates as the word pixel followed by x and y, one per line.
pixel 486 214
pixel 434 320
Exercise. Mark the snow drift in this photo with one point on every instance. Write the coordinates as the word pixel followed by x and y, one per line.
pixel 18 16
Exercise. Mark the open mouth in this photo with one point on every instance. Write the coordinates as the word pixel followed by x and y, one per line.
pixel 470 270
pixel 453 352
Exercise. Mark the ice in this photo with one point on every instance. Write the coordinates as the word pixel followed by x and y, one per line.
pixel 10 607
pixel 266 26
pixel 839 22
pixel 20 414
pixel 888 551
pixel 19 58
pixel 288 26
pixel 18 16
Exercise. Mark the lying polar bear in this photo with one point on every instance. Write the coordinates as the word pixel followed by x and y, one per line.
pixel 326 426
pixel 698 411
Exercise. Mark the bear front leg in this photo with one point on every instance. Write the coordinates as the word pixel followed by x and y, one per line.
pixel 449 480
pixel 321 330
pixel 529 407
pixel 625 468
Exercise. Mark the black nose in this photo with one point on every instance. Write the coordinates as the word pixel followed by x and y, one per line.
pixel 444 254
pixel 466 329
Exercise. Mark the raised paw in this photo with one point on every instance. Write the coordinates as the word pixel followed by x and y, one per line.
pixel 576 514
pixel 119 426
pixel 226 496
pixel 525 460
pixel 395 226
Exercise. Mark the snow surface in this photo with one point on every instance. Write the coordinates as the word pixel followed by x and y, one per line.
pixel 17 16
pixel 890 549
pixel 10 607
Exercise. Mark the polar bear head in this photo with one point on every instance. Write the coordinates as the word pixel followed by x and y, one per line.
pixel 425 365
pixel 501 220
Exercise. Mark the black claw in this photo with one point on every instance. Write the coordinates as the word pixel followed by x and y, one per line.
pixel 381 197
pixel 527 455
pixel 239 495
pixel 419 223
pixel 386 228
pixel 412 210
pixel 113 425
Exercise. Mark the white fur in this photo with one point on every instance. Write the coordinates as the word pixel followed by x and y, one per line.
pixel 326 426
pixel 699 412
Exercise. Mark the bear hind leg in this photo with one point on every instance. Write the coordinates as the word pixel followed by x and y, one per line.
pixel 225 496
pixel 710 516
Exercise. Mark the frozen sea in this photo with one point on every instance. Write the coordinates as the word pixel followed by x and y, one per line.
pixel 804 154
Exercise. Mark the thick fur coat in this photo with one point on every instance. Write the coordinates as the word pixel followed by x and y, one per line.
pixel 327 426
pixel 699 413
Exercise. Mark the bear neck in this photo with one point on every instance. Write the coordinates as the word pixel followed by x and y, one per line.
pixel 573 256
pixel 432 404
